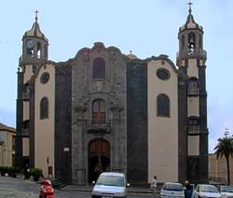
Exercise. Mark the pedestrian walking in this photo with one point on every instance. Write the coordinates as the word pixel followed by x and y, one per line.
pixel 153 185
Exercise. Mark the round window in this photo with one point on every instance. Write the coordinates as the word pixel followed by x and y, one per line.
pixel 44 78
pixel 163 74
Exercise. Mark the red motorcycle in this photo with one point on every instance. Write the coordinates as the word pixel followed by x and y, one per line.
pixel 46 190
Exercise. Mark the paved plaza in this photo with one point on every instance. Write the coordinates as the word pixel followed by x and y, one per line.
pixel 18 188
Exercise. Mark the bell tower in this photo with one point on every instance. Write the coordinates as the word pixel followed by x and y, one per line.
pixel 191 59
pixel 34 50
pixel 35 44
pixel 190 41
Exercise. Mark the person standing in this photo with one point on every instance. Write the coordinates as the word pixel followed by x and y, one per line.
pixel 188 191
pixel 96 172
pixel 26 172
pixel 153 185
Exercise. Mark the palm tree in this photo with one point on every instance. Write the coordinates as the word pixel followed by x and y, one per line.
pixel 224 148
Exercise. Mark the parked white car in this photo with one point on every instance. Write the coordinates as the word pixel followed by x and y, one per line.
pixel 110 184
pixel 206 191
pixel 226 191
pixel 172 190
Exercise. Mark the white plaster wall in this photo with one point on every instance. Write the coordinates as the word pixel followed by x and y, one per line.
pixel 162 132
pixel 193 106
pixel 44 129
pixel 192 68
pixel 193 145
pixel 26 110
pixel 28 73
pixel 193 110
pixel 25 146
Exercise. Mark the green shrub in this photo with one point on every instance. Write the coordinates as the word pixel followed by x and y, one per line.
pixel 12 171
pixel 36 173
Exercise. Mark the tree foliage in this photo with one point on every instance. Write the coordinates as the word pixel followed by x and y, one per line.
pixel 224 148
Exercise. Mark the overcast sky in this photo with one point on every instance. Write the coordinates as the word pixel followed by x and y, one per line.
pixel 145 27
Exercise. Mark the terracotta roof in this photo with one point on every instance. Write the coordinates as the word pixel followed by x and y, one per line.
pixel 6 128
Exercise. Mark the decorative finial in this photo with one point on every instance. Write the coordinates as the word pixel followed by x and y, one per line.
pixel 36 18
pixel 226 133
pixel 190 5
pixel 130 51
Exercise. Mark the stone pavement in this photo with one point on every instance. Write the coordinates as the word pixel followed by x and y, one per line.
pixel 18 188
pixel 130 189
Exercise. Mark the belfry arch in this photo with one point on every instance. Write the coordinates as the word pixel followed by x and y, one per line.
pixel 98 158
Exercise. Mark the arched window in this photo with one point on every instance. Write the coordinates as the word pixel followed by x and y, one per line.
pixel 193 121
pixel 182 42
pixel 38 53
pixel 98 111
pixel 193 125
pixel 98 68
pixel 44 108
pixel 191 42
pixel 30 52
pixel 25 129
pixel 163 105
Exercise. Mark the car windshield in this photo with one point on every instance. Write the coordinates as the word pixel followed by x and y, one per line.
pixel 208 189
pixel 173 187
pixel 226 189
pixel 111 181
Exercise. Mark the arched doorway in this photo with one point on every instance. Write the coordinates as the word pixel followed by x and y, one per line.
pixel 98 158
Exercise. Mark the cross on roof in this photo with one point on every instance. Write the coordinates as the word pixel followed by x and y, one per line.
pixel 36 14
pixel 190 4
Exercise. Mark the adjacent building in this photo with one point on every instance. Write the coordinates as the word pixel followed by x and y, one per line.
pixel 7 145
pixel 218 169
pixel 103 110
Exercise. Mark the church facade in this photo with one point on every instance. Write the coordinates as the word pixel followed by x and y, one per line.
pixel 106 111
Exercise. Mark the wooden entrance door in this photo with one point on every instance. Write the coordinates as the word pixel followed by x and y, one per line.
pixel 99 158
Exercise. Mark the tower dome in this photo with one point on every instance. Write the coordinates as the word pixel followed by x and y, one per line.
pixel 132 56
pixel 35 30
pixel 190 22
pixel 190 37
pixel 35 44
